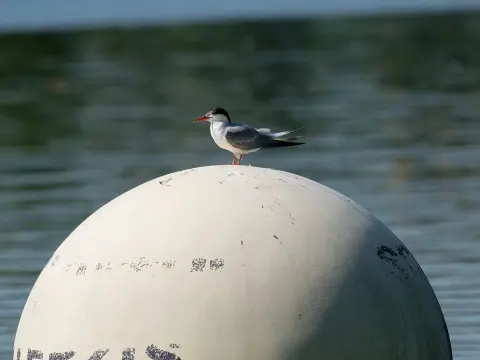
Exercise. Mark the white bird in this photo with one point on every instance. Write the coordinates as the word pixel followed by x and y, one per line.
pixel 241 139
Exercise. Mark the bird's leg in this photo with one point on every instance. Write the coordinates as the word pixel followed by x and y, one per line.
pixel 234 161
pixel 240 159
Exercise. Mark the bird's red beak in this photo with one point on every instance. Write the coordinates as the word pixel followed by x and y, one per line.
pixel 201 118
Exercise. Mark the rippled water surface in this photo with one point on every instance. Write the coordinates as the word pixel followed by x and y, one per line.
pixel 391 107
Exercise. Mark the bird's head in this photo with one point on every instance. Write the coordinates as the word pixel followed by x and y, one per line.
pixel 217 114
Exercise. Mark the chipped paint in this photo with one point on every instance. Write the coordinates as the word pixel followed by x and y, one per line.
pixel 54 260
pixel 99 354
pixel 276 237
pixel 165 182
pixel 139 265
pixel 217 264
pixel 61 356
pixel 152 351
pixel 128 354
pixel 198 264
pixel 155 353
pixel 394 256
pixel 81 270
pixel 168 264
pixel 34 354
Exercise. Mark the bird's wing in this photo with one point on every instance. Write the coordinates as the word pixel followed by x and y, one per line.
pixel 244 137
pixel 264 130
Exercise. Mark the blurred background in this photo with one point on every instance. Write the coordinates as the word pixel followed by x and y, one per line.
pixel 97 97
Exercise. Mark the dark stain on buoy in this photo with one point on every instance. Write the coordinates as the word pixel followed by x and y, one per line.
pixel 82 270
pixel 292 219
pixel 216 264
pixel 33 354
pixel 198 264
pixel 155 353
pixel 174 346
pixel 168 264
pixel 61 356
pixel 128 354
pixel 165 182
pixel 402 250
pixel 54 260
pixel 140 264
pixel 99 354
pixel 390 255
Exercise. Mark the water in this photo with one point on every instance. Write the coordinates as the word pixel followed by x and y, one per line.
pixel 391 106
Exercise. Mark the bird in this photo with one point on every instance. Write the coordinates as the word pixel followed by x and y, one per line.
pixel 241 139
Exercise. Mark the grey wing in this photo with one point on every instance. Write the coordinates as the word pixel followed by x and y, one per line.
pixel 244 138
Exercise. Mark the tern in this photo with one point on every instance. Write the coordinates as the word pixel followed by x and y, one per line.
pixel 241 139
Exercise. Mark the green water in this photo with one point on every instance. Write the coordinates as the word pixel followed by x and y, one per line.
pixel 391 107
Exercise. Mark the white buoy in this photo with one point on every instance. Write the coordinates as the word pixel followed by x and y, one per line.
pixel 237 263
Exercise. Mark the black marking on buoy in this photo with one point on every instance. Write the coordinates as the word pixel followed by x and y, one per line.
pixel 168 264
pixel 165 182
pixel 402 250
pixel 19 354
pixel 174 346
pixel 292 219
pixel 390 256
pixel 198 264
pixel 138 266
pixel 128 354
pixel 216 264
pixel 61 356
pixel 82 269
pixel 54 260
pixel 157 354
pixel 99 354
pixel 34 354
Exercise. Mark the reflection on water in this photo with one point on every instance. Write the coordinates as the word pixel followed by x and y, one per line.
pixel 391 108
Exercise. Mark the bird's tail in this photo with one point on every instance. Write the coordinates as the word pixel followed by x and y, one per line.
pixel 283 135
pixel 280 143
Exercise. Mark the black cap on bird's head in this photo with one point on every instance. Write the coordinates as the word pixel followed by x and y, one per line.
pixel 211 114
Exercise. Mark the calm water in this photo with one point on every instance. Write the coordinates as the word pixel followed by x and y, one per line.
pixel 391 107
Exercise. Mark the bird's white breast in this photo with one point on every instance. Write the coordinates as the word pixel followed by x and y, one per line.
pixel 218 131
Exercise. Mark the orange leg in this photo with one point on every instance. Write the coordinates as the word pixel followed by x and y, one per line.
pixel 234 161
pixel 241 157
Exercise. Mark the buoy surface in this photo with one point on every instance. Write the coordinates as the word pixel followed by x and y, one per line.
pixel 232 262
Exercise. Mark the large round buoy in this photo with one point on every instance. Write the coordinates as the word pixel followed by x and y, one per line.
pixel 232 262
